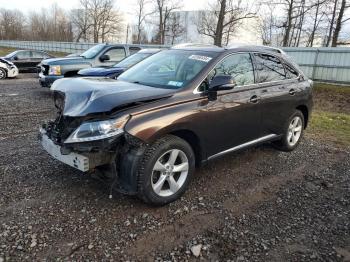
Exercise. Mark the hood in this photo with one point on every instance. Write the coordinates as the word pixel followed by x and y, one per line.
pixel 85 96
pixel 65 61
pixel 3 60
pixel 101 71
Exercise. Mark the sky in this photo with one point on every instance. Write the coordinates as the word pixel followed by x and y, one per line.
pixel 29 5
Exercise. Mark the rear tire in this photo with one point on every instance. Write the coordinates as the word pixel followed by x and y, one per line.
pixel 293 132
pixel 3 73
pixel 165 170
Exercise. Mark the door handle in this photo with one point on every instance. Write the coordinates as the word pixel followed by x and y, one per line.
pixel 292 92
pixel 254 99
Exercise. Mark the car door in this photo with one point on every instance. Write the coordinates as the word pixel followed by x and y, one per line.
pixel 233 118
pixel 22 60
pixel 275 92
pixel 36 58
pixel 116 54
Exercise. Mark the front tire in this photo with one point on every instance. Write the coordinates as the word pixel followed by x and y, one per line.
pixel 165 170
pixel 3 73
pixel 293 132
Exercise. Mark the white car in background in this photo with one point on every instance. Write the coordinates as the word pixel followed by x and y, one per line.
pixel 7 69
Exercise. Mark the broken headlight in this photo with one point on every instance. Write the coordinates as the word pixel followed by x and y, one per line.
pixel 91 131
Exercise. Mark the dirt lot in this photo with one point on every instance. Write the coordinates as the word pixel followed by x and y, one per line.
pixel 257 205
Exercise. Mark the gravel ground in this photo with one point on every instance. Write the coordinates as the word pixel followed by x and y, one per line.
pixel 257 205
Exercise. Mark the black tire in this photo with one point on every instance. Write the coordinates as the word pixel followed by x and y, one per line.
pixel 150 157
pixel 283 144
pixel 3 73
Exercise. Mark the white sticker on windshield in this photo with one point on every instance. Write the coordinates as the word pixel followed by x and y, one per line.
pixel 200 58
pixel 175 83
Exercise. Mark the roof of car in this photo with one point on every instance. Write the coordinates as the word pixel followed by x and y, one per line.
pixel 41 51
pixel 236 47
pixel 149 51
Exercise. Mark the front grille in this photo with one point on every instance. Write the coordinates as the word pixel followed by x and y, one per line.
pixel 45 69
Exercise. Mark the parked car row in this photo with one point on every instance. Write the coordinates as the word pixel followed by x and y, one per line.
pixel 102 55
pixel 21 61
pixel 170 111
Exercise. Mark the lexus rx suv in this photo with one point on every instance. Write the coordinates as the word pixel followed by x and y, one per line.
pixel 148 130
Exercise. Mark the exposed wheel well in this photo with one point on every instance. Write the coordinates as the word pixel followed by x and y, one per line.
pixel 305 112
pixel 194 142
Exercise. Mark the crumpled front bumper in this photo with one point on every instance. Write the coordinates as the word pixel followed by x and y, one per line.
pixel 13 72
pixel 72 159
pixel 86 160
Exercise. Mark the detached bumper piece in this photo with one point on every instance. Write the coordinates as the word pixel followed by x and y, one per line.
pixel 72 159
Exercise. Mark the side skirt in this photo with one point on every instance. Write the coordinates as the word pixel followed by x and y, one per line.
pixel 245 145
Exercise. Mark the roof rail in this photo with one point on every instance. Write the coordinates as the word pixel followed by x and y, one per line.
pixel 193 45
pixel 262 47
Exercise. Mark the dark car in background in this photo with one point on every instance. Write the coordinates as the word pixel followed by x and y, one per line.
pixel 117 69
pixel 98 55
pixel 27 60
pixel 174 110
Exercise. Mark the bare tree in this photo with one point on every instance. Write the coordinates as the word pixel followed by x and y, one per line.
pixel 174 28
pixel 12 24
pixel 49 24
pixel 81 20
pixel 267 23
pixel 222 19
pixel 97 18
pixel 339 22
pixel 163 10
pixel 141 18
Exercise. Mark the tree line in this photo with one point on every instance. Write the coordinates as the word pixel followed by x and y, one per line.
pixel 275 22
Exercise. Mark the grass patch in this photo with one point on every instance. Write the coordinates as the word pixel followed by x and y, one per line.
pixel 331 89
pixel 6 50
pixel 331 126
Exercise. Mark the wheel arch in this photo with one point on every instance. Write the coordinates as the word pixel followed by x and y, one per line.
pixel 305 111
pixel 193 140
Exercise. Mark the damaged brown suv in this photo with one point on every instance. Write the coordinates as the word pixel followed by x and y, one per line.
pixel 177 109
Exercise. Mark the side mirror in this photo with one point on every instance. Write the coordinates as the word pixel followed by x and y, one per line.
pixel 222 82
pixel 15 58
pixel 104 58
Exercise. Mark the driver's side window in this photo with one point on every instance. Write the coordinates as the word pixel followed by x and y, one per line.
pixel 116 54
pixel 239 66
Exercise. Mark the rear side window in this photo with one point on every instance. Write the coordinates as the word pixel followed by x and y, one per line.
pixel 291 72
pixel 239 66
pixel 39 55
pixel 269 68
pixel 133 50
pixel 116 54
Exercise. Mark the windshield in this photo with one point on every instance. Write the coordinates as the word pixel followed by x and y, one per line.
pixel 93 51
pixel 168 69
pixel 132 60
pixel 11 54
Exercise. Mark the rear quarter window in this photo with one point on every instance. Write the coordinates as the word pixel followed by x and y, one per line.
pixel 269 68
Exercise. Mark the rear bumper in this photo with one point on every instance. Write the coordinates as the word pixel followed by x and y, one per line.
pixel 47 80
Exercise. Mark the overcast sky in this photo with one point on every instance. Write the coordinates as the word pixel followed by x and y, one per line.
pixel 124 5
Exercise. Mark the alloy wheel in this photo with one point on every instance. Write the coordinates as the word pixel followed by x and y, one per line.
pixel 169 173
pixel 294 130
